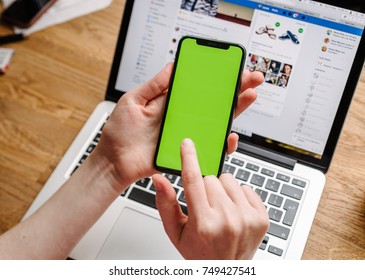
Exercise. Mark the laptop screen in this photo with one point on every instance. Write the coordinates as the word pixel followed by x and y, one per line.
pixel 305 50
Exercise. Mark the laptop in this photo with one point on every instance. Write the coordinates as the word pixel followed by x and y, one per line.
pixel 311 54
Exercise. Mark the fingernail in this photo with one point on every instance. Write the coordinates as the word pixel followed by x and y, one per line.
pixel 188 142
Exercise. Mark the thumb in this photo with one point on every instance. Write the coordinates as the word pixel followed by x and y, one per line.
pixel 232 143
pixel 172 217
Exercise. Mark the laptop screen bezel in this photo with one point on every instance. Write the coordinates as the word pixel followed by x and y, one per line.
pixel 323 163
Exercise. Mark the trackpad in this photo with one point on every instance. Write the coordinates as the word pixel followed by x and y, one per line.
pixel 137 236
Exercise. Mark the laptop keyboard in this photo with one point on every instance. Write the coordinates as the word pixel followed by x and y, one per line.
pixel 281 194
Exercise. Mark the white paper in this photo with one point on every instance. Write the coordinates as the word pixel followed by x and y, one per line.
pixel 5 56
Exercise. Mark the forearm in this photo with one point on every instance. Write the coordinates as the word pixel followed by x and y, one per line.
pixel 54 230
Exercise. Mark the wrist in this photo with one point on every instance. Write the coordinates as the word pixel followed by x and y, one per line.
pixel 98 167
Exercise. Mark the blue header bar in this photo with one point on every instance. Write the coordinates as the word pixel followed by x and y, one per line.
pixel 299 16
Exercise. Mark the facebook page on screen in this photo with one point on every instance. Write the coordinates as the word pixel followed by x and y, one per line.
pixel 304 51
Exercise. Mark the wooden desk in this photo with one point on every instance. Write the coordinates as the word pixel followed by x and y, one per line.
pixel 58 76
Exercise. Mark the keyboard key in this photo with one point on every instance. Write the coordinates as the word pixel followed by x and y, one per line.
pixel 237 162
pixel 90 148
pixel 291 192
pixel 272 185
pixel 252 167
pixel 275 214
pixel 263 246
pixel 299 183
pixel 171 178
pixel 83 158
pixel 274 250
pixel 283 177
pixel 143 182
pixel 152 188
pixel 77 166
pixel 179 183
pixel 276 200
pixel 228 169
pixel 262 194
pixel 267 172
pixel 125 192
pixel 148 199
pixel 264 243
pixel 143 197
pixel 257 180
pixel 278 231
pixel 101 128
pixel 97 137
pixel 182 197
pixel 291 208
pixel 184 209
pixel 243 175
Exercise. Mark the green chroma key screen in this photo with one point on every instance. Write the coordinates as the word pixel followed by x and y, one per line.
pixel 200 104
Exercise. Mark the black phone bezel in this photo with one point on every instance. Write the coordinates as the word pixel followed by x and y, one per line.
pixel 213 44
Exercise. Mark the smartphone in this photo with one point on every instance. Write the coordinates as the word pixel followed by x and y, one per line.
pixel 200 103
pixel 24 13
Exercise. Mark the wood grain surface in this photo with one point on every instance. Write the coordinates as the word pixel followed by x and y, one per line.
pixel 56 78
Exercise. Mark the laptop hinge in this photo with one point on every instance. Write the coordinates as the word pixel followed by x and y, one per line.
pixel 266 155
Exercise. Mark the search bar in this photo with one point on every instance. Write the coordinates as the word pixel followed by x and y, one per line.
pixel 289 3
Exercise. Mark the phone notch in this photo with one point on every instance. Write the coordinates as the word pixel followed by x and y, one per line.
pixel 213 44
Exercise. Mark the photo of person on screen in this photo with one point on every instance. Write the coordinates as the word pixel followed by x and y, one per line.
pixel 287 69
pixel 283 81
pixel 205 7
